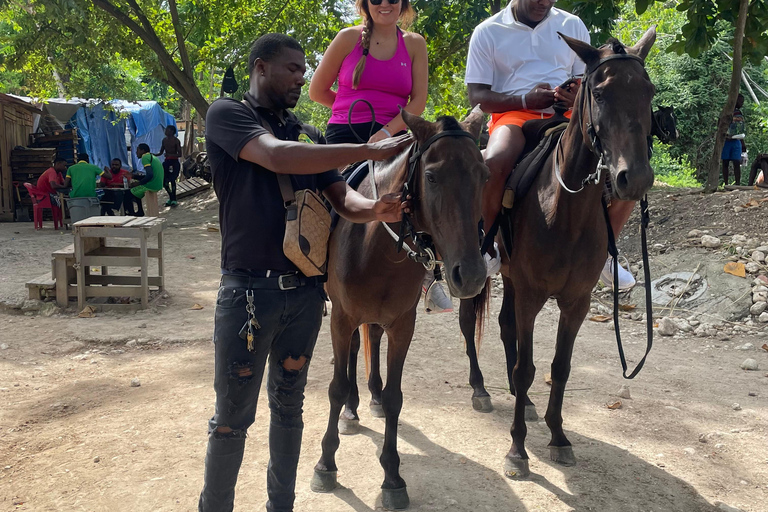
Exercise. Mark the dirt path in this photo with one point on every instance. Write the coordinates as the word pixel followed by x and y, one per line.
pixel 74 434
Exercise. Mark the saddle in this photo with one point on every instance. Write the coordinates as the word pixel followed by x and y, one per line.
pixel 541 136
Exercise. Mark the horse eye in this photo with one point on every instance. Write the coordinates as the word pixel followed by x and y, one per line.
pixel 431 178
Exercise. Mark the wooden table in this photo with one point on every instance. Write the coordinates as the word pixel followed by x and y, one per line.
pixel 101 254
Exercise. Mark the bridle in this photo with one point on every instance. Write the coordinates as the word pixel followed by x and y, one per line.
pixel 424 251
pixel 594 144
pixel 596 178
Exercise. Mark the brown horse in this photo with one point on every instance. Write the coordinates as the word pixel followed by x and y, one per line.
pixel 559 235
pixel 370 282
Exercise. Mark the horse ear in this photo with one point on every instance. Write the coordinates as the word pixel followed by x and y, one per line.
pixel 586 52
pixel 645 43
pixel 474 122
pixel 421 128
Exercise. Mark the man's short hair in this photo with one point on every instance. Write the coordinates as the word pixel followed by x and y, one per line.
pixel 64 160
pixel 117 160
pixel 268 46
pixel 83 157
pixel 173 128
pixel 144 147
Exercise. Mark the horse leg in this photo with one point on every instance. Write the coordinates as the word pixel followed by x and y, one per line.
pixel 481 400
pixel 349 421
pixel 375 332
pixel 393 490
pixel 571 317
pixel 509 340
pixel 516 462
pixel 342 327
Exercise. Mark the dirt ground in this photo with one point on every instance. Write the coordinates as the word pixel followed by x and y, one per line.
pixel 76 436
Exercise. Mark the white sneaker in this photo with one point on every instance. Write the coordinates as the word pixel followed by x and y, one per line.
pixel 435 298
pixel 493 263
pixel 626 279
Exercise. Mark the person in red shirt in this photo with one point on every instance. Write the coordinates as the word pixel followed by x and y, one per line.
pixel 120 177
pixel 52 180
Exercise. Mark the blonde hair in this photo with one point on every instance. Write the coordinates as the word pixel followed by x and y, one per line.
pixel 406 18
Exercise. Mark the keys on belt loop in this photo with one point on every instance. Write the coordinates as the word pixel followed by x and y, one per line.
pixel 253 324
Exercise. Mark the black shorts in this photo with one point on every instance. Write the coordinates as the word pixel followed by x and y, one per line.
pixel 171 168
pixel 343 134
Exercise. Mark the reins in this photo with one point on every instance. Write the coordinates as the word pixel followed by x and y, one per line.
pixel 424 252
pixel 596 178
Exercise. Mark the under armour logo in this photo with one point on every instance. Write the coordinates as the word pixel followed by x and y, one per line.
pixel 404 64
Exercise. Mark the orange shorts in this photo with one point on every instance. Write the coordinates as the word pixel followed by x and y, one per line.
pixel 517 118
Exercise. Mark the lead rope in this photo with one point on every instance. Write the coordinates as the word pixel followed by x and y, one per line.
pixel 614 252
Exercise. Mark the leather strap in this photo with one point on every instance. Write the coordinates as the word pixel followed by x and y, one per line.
pixel 283 180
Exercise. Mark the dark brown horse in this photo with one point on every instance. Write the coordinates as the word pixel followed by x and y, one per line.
pixel 559 235
pixel 369 282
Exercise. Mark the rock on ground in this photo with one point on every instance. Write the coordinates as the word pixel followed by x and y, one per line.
pixel 667 326
pixel 710 241
pixel 750 364
pixel 758 307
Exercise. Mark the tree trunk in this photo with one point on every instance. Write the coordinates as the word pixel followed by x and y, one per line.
pixel 495 6
pixel 726 115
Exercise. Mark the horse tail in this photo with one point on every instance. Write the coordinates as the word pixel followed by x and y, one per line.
pixel 365 339
pixel 481 303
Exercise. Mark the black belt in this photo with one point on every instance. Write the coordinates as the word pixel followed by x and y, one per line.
pixel 281 282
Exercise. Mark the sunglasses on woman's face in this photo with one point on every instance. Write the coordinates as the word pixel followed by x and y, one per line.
pixel 378 2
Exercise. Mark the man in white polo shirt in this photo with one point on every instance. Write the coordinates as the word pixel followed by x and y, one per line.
pixel 515 65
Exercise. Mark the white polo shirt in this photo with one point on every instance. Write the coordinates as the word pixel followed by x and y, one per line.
pixel 513 58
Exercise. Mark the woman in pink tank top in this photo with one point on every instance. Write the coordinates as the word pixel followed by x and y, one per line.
pixel 377 62
pixel 386 66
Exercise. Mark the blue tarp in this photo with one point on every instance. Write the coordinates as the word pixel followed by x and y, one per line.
pixel 103 134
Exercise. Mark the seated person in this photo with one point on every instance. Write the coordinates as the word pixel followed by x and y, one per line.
pixel 113 199
pixel 82 177
pixel 52 180
pixel 152 181
pixel 760 164
pixel 516 60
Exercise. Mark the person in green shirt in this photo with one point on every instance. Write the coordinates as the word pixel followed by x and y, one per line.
pixel 152 181
pixel 82 177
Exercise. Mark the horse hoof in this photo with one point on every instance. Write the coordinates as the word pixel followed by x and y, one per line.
pixel 516 468
pixel 377 411
pixel 530 413
pixel 562 455
pixel 323 481
pixel 482 403
pixel 395 499
pixel 348 427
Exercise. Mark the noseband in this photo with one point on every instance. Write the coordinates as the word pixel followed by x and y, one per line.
pixel 594 141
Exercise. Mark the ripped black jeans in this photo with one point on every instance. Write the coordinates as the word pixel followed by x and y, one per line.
pixel 290 321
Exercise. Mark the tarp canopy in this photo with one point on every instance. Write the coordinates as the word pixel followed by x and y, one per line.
pixel 104 129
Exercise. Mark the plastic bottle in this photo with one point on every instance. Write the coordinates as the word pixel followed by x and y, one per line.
pixel 125 182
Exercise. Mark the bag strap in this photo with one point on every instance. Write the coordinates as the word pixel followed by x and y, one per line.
pixel 283 180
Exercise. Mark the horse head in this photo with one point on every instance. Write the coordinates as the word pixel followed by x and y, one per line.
pixel 447 184
pixel 615 111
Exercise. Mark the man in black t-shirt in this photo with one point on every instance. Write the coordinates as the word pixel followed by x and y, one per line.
pixel 263 297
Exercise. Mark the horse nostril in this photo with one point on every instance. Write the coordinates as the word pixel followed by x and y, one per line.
pixel 456 275
pixel 622 180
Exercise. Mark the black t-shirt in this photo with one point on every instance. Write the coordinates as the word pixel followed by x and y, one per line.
pixel 251 211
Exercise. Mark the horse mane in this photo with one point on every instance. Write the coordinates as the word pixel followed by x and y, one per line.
pixel 448 123
pixel 615 45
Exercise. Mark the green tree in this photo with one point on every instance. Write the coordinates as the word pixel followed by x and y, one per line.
pixel 181 43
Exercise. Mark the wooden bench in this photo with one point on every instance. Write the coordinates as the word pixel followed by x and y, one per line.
pixel 63 269
pixel 41 287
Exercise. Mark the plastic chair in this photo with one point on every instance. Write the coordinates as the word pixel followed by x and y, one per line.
pixel 41 201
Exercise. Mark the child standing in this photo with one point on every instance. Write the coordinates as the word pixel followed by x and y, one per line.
pixel 171 166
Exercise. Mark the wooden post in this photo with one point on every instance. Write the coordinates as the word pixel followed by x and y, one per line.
pixel 144 271
pixel 80 270
pixel 153 209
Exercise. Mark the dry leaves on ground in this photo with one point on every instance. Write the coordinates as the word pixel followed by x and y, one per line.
pixel 765 347
pixel 601 318
pixel 548 378
pixel 735 269
pixel 614 405
pixel 87 312
pixel 196 307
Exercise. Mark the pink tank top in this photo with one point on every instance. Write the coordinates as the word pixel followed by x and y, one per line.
pixel 386 84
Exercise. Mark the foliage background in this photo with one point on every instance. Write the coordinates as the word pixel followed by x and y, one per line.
pixel 94 56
